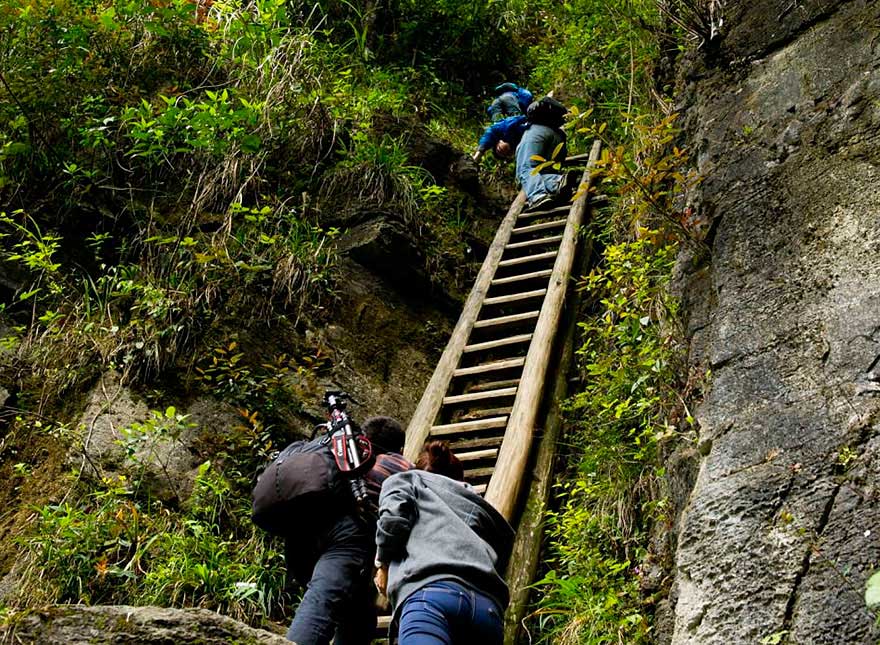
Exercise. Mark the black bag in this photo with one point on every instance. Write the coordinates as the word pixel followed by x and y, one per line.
pixel 547 111
pixel 299 488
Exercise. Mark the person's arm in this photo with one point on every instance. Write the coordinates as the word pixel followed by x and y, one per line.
pixel 491 135
pixel 397 514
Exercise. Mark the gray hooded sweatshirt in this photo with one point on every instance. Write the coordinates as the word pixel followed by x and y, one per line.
pixel 434 528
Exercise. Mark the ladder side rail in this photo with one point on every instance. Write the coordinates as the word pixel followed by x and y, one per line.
pixel 432 399
pixel 506 482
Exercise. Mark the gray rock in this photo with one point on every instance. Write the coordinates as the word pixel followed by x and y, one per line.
pixel 211 417
pixel 122 625
pixel 109 409
pixel 383 246
pixel 10 583
pixel 778 535
pixel 161 461
pixel 759 27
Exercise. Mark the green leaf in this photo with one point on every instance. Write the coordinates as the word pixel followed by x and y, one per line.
pixel 251 143
pixel 872 591
pixel 774 639
pixel 107 18
pixel 14 148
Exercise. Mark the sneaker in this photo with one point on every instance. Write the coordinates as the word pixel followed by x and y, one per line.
pixel 539 200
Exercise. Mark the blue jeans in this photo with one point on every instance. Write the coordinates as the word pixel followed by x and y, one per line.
pixel 538 140
pixel 504 106
pixel 338 600
pixel 446 612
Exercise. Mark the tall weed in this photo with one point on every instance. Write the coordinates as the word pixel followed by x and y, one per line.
pixel 629 362
pixel 609 500
pixel 112 547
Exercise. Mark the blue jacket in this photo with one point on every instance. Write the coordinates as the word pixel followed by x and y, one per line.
pixel 510 130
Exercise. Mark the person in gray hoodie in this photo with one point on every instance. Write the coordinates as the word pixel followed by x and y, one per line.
pixel 441 551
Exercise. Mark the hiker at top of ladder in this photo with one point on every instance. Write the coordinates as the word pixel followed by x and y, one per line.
pixel 441 554
pixel 329 540
pixel 510 100
pixel 536 135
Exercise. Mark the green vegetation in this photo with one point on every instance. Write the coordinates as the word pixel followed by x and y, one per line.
pixel 872 594
pixel 603 55
pixel 609 501
pixel 170 169
pixel 112 546
pixel 610 497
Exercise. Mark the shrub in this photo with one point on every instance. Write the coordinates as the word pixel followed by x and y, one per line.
pixel 110 547
pixel 608 502
pixel 376 173
pixel 630 367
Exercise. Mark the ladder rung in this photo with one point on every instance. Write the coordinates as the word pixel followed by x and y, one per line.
pixel 584 156
pixel 479 396
pixel 503 320
pixel 383 622
pixel 464 444
pixel 536 242
pixel 474 455
pixel 479 472
pixel 492 344
pixel 558 209
pixel 480 489
pixel 528 258
pixel 494 385
pixel 469 426
pixel 485 413
pixel 514 297
pixel 545 273
pixel 490 367
pixel 539 227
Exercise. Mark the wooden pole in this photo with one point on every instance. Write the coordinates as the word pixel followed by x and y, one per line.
pixel 529 535
pixel 432 398
pixel 504 487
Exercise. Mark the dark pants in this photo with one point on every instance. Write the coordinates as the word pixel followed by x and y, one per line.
pixel 339 598
pixel 446 612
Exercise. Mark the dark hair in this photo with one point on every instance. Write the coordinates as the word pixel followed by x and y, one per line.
pixel 437 458
pixel 503 157
pixel 385 433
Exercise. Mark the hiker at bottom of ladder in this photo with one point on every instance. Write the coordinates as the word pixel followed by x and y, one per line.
pixel 441 553
pixel 531 138
pixel 321 496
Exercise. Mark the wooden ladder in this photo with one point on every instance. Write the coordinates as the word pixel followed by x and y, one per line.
pixel 486 390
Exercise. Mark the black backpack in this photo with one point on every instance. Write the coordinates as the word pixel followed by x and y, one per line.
pixel 547 111
pixel 299 488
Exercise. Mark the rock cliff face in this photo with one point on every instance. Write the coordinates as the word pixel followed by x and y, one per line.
pixel 782 527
